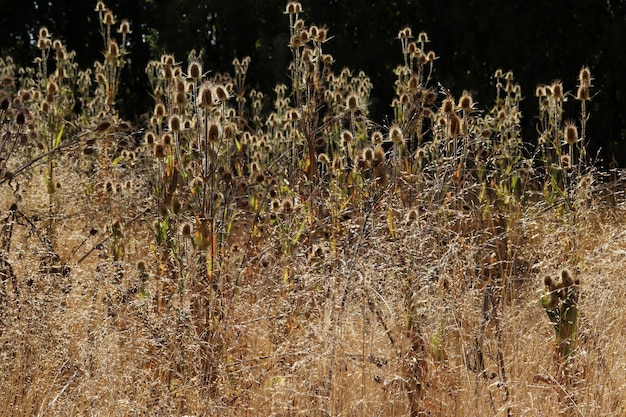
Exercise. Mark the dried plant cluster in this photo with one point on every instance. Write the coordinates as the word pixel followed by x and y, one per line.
pixel 244 253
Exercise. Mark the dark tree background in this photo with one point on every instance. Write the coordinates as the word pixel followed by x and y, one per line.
pixel 539 41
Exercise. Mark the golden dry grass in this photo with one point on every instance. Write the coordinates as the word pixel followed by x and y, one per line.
pixel 227 260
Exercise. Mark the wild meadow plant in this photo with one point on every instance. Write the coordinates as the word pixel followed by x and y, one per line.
pixel 244 252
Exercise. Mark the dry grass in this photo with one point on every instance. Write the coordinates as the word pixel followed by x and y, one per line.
pixel 299 259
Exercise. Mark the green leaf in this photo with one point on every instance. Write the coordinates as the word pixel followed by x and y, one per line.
pixel 57 142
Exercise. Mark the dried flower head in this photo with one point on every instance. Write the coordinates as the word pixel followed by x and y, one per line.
pixel 466 102
pixel 108 19
pixel 448 106
pixel 454 125
pixel 570 133
pixel 405 33
pixel 396 135
pixel 195 70
pixel 124 28
pixel 293 7
pixel 352 102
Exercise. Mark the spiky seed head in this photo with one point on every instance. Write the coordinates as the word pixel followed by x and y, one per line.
pixel 396 136
pixel 454 125
pixel 205 97
pixel 149 138
pixel 293 7
pixel 186 229
pixel 421 153
pixel 466 102
pixel 20 117
pixel 566 162
pixel 405 33
pixel 213 133
pixel 323 158
pixel 570 133
pixel 498 73
pixel 379 155
pixel 377 138
pixel 100 7
pixel 422 37
pixel 582 94
pixel 584 76
pixel 159 151
pixel 175 124
pixel 275 204
pixel 448 106
pixel 566 278
pixel 166 139
pixel 108 19
pixel 286 206
pixel 540 91
pixel 195 70
pixel 221 94
pixel 124 28
pixel 548 90
pixel 292 115
pixel 352 102
pixel 168 73
pixel 547 281
pixel 557 90
pixel 159 110
pixel 346 137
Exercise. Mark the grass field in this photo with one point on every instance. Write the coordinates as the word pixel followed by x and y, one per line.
pixel 278 253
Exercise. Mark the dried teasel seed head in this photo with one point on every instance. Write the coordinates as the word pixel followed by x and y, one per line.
pixel 547 281
pixel 352 103
pixel 377 138
pixel 159 151
pixel 540 91
pixel 293 7
pixel 205 97
pixel 213 133
pixel 566 278
pixel 454 125
pixel 570 133
pixel 396 135
pixel 124 28
pixel 159 110
pixel 166 139
pixel 347 137
pixel 149 138
pixel 557 90
pixel 323 158
pixel 221 93
pixel 582 94
pixel 422 37
pixel 174 123
pixel 108 19
pixel 466 102
pixel 448 106
pixel 186 229
pixel 405 33
pixel 584 76
pixel 195 70
pixel 100 7
pixel 286 206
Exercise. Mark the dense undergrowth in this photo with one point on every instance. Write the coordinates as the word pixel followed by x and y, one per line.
pixel 279 253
